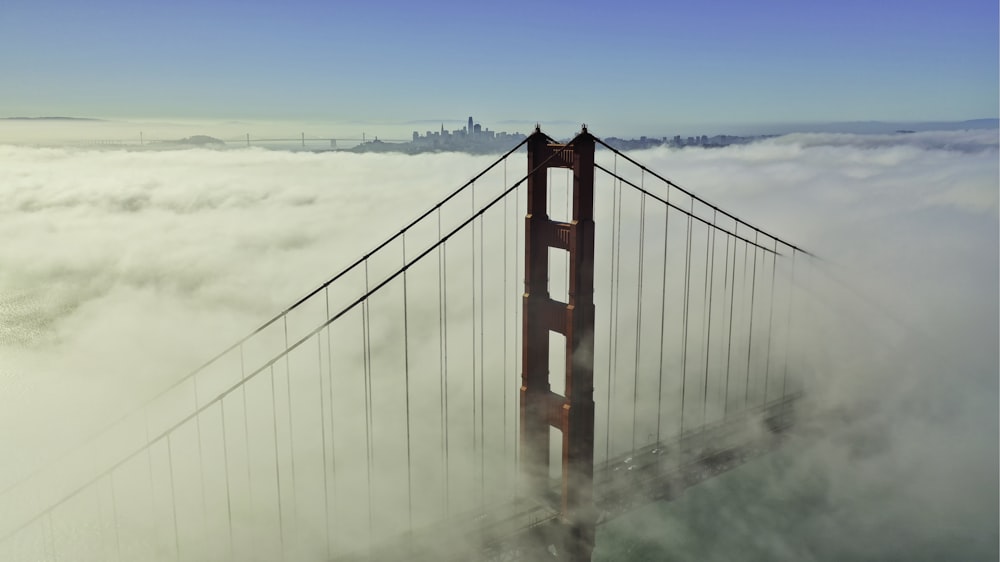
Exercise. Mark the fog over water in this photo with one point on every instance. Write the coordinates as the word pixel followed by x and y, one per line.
pixel 122 270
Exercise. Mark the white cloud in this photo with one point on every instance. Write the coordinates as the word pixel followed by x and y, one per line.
pixel 121 270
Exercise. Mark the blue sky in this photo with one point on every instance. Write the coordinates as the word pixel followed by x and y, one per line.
pixel 616 65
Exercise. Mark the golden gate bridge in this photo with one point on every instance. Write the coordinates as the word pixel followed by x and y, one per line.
pixel 536 354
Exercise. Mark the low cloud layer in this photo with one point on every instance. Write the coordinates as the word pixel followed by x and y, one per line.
pixel 122 270
pixel 903 464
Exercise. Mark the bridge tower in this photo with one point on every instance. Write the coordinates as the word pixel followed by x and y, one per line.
pixel 540 407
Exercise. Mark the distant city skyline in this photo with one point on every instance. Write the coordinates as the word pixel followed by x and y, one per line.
pixel 446 134
pixel 632 68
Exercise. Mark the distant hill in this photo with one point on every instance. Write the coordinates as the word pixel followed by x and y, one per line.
pixel 50 119
pixel 981 124
pixel 200 140
pixel 890 126
pixel 881 127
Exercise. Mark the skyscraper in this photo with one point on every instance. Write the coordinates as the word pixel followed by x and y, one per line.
pixel 470 125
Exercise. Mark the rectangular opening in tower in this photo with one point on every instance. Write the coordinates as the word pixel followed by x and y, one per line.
pixel 558 274
pixel 559 196
pixel 557 363
pixel 555 455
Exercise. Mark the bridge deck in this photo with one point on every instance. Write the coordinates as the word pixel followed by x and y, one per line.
pixel 656 472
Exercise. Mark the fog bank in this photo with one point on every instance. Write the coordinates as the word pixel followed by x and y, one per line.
pixel 120 271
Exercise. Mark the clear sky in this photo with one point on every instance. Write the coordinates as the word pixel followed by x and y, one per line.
pixel 615 64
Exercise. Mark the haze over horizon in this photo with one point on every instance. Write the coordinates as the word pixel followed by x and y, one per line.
pixel 52 130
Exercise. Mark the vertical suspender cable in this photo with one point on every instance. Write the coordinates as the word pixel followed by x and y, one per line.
pixel 617 277
pixel 663 314
pixel 246 438
pixel 443 331
pixel 476 356
pixel 770 318
pixel 638 314
pixel 472 330
pixel 329 376
pixel 517 341
pixel 744 317
pixel 612 309
pixel 503 308
pixel 246 429
pixel 808 274
pixel 788 325
pixel 406 371
pixel 732 301
pixel 225 467
pixel 482 366
pixel 704 312
pixel 366 357
pixel 201 454
pixel 291 427
pixel 753 293
pixel 710 290
pixel 322 432
pixel 277 466
pixel 173 497
pixel 687 305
